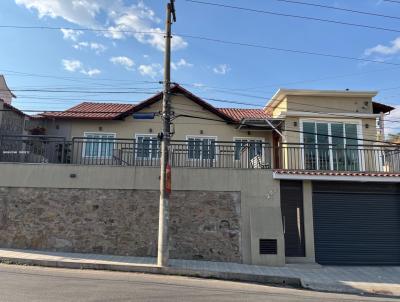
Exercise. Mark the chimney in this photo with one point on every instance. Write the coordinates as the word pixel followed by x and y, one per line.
pixel 5 93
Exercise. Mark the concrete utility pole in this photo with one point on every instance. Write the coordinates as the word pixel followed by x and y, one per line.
pixel 163 246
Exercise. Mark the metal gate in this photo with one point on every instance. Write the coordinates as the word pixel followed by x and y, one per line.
pixel 356 223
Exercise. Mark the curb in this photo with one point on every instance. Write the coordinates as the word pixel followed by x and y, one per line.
pixel 335 288
pixel 152 269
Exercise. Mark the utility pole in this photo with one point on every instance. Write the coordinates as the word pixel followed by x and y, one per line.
pixel 163 221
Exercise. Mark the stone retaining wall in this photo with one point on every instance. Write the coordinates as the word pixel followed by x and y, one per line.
pixel 203 225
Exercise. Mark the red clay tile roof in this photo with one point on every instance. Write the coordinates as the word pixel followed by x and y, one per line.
pixel 91 111
pixel 101 111
pixel 239 113
pixel 336 173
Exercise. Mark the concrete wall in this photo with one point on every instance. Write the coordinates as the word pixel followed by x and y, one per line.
pixel 184 126
pixel 259 193
pixel 329 104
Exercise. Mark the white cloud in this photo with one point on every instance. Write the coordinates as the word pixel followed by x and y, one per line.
pixel 180 63
pixel 82 12
pixel 391 49
pixel 72 65
pixel 81 45
pixel 71 34
pixel 123 61
pixel 135 20
pixel 91 72
pixel 151 70
pixel 198 85
pixel 222 69
pixel 155 37
pixel 77 66
pixel 97 47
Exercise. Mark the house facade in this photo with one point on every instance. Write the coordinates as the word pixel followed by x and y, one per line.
pixel 306 179
pixel 12 123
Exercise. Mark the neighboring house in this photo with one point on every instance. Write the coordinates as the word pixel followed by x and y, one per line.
pixel 12 123
pixel 11 119
pixel 314 182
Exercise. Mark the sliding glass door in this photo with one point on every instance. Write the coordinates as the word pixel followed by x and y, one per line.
pixel 331 146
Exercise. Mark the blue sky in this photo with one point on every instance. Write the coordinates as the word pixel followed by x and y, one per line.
pixel 85 63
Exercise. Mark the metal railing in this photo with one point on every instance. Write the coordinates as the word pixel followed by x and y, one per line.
pixel 200 154
pixel 325 157
pixel 129 152
pixel 33 149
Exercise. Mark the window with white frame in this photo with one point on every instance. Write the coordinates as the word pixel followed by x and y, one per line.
pixel 98 144
pixel 201 147
pixel 253 146
pixel 148 146
pixel 331 146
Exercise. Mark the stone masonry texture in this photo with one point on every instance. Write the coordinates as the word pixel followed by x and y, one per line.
pixel 203 225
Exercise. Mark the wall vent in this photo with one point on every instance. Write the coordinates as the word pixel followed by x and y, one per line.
pixel 268 247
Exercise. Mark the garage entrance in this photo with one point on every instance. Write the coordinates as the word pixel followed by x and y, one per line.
pixel 356 223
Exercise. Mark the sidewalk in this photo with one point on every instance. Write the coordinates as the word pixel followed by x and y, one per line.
pixel 358 280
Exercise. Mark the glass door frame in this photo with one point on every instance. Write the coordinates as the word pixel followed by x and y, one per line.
pixel 329 122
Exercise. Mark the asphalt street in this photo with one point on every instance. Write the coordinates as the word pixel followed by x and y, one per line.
pixel 37 284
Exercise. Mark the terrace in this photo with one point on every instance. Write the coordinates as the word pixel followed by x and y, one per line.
pixel 383 158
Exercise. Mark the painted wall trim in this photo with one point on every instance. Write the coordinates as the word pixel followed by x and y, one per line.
pixel 337 178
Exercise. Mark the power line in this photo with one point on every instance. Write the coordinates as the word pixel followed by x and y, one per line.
pixel 315 120
pixel 293 82
pixel 81 29
pixel 294 16
pixel 272 99
pixel 210 99
pixel 152 92
pixel 220 121
pixel 288 50
pixel 75 79
pixel 289 130
pixel 278 48
pixel 340 9
pixel 271 47
pixel 393 1
pixel 298 103
pixel 83 91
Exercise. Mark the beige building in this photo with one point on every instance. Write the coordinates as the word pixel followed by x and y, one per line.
pixel 306 179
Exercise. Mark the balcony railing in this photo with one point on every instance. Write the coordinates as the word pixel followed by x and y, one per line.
pixel 196 154
pixel 384 158
pixel 200 154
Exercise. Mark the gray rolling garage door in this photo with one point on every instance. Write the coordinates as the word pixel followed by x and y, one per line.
pixel 356 223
